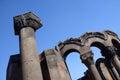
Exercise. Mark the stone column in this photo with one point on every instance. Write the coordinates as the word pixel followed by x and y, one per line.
pixel 110 54
pixel 115 73
pixel 87 59
pixel 25 25
pixel 103 69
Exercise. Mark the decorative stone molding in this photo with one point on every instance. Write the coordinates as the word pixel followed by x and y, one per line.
pixel 87 58
pixel 108 32
pixel 26 20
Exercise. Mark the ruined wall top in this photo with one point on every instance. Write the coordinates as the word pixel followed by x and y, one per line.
pixel 83 43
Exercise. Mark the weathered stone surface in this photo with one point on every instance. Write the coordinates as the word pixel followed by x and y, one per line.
pixel 26 20
pixel 52 62
pixel 25 26
pixel 103 69
pixel 14 70
pixel 53 67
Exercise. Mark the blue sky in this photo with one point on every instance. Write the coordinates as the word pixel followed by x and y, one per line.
pixel 61 19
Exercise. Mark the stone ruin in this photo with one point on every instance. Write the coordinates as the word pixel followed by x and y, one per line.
pixel 51 65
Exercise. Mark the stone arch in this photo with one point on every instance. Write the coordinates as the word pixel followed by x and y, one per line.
pixel 105 38
pixel 68 46
pixel 94 39
pixel 90 37
pixel 104 41
pixel 100 40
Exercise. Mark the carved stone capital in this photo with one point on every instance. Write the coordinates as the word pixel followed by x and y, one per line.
pixel 109 52
pixel 87 58
pixel 26 20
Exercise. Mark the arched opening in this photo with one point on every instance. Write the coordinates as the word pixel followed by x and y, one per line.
pixel 75 66
pixel 117 45
pixel 96 48
pixel 97 53
pixel 100 61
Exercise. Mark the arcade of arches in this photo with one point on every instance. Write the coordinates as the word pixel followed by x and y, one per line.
pixel 52 64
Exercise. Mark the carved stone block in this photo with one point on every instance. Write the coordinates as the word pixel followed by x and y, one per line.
pixel 26 20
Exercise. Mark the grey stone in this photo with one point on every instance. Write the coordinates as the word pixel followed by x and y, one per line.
pixel 26 20
pixel 51 64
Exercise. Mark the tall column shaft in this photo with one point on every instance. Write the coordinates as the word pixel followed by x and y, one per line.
pixel 94 71
pixel 25 26
pixel 87 59
pixel 30 61
pixel 115 73
pixel 116 63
